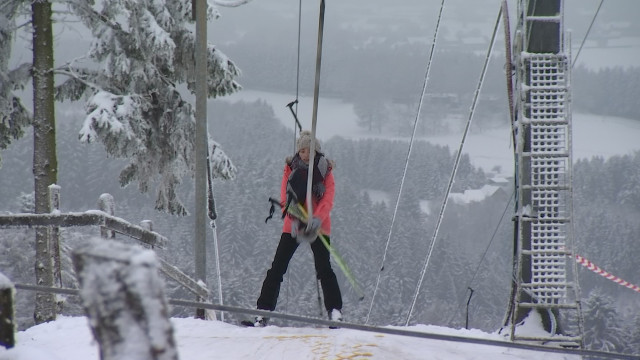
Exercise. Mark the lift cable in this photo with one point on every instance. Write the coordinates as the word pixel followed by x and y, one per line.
pixel 406 164
pixel 587 34
pixel 455 167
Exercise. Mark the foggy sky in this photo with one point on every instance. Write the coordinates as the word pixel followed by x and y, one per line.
pixel 613 41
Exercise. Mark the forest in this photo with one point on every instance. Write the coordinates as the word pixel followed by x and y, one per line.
pixel 473 249
pixel 385 92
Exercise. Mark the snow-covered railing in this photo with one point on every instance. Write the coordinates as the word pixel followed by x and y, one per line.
pixel 88 218
pixel 109 226
pixel 197 288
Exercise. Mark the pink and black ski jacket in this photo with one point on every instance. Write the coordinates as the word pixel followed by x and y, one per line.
pixel 321 206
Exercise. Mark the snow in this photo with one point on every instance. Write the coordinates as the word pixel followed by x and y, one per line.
pixel 105 110
pixel 69 338
pixel 5 283
pixel 425 206
pixel 221 165
pixel 532 325
pixel 107 203
pixel 472 195
pixel 378 196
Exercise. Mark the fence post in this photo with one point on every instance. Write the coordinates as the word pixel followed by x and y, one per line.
pixel 54 233
pixel 123 297
pixel 107 204
pixel 147 225
pixel 7 313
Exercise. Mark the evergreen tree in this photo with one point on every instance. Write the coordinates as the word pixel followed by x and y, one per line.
pixel 617 85
pixel 14 116
pixel 146 51
pixel 633 334
pixel 134 104
pixel 603 325
pixel 630 190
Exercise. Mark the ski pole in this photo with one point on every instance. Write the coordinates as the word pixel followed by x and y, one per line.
pixel 295 117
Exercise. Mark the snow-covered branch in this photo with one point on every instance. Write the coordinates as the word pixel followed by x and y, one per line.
pixel 19 76
pixel 86 12
pixel 77 77
pixel 221 165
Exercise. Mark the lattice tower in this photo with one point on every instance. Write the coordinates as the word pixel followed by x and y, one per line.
pixel 544 272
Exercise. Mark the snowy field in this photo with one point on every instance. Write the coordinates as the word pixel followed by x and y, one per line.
pixel 69 338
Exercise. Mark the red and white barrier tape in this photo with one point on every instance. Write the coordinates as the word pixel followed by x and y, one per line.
pixel 593 267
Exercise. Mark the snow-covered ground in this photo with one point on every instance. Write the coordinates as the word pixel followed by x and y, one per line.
pixel 69 338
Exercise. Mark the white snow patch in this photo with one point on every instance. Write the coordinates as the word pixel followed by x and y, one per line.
pixel 377 196
pixel 531 326
pixel 472 195
pixel 5 283
pixel 425 206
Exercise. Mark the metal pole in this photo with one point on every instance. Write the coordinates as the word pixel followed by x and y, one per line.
pixel 314 117
pixel 466 322
pixel 201 145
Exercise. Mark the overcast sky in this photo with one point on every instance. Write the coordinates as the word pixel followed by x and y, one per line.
pixel 613 41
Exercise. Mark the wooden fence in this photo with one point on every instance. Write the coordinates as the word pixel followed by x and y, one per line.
pixel 109 226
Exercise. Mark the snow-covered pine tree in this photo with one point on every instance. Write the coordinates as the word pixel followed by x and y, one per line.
pixel 135 105
pixel 14 117
pixel 604 328
pixel 633 334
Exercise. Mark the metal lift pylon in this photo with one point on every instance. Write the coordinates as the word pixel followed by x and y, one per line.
pixel 545 288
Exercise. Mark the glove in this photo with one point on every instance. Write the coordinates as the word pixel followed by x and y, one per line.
pixel 305 233
pixel 298 231
pixel 313 226
pixel 295 227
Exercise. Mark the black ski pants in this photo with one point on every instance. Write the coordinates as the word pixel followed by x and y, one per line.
pixel 286 248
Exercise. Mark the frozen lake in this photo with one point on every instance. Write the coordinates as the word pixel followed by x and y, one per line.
pixel 593 135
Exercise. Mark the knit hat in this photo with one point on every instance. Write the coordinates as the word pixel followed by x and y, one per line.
pixel 304 141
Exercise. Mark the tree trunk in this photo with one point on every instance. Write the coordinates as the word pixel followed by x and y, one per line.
pixel 45 162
